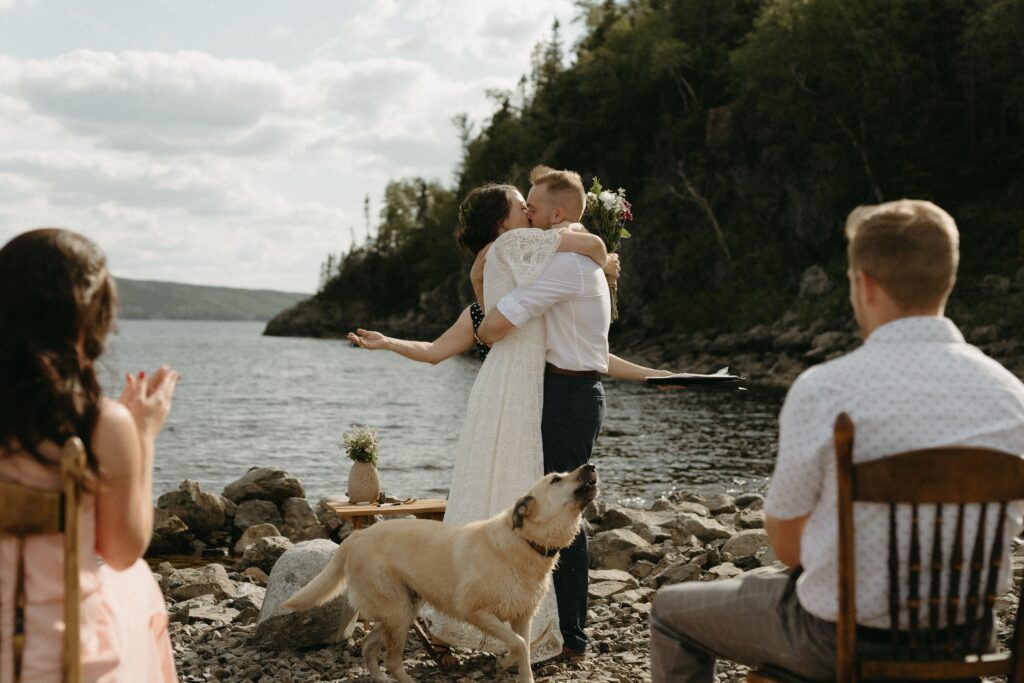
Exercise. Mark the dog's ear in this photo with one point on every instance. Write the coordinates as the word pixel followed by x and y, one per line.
pixel 522 510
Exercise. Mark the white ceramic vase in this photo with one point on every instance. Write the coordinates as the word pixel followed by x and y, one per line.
pixel 363 483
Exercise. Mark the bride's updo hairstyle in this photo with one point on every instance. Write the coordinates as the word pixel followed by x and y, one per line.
pixel 481 215
pixel 57 305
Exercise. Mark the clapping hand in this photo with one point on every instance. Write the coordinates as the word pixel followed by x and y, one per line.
pixel 368 339
pixel 149 398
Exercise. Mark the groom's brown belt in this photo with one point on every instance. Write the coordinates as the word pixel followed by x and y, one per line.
pixel 584 374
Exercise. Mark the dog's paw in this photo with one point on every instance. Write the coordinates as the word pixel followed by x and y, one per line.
pixel 505 662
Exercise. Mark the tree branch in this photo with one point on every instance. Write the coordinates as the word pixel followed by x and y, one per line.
pixel 701 201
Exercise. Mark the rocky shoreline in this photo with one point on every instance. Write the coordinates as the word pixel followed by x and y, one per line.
pixel 774 354
pixel 249 548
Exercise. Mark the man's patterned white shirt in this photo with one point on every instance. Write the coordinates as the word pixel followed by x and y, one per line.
pixel 915 383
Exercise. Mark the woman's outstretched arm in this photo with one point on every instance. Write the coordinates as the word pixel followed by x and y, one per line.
pixel 456 339
pixel 623 369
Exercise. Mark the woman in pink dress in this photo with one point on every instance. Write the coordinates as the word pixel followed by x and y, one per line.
pixel 57 304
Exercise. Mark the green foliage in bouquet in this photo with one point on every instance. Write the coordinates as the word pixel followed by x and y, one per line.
pixel 360 444
pixel 608 213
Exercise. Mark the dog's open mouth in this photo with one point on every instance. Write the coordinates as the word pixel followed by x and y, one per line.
pixel 587 490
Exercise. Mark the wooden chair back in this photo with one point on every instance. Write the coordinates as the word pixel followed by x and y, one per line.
pixel 28 512
pixel 948 479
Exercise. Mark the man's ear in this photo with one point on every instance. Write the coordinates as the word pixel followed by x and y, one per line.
pixel 522 510
pixel 868 286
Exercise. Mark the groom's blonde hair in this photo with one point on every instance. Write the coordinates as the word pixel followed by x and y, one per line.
pixel 567 186
pixel 910 246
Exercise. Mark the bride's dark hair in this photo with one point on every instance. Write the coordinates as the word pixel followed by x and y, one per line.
pixel 57 305
pixel 481 214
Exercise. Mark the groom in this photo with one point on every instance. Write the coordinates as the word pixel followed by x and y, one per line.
pixel 572 295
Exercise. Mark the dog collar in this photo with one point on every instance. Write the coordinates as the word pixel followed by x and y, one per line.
pixel 541 550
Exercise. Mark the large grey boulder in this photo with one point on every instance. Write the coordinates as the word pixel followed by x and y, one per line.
pixel 337 528
pixel 745 500
pixel 678 573
pixel 279 628
pixel 248 601
pixel 693 508
pixel 615 517
pixel 704 528
pixel 253 534
pixel 253 512
pixel 748 548
pixel 717 503
pixel 265 552
pixel 726 570
pixel 300 522
pixel 169 534
pixel 201 511
pixel 814 282
pixel 600 575
pixel 617 549
pixel 212 579
pixel 264 483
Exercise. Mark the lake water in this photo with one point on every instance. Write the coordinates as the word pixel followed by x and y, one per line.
pixel 246 400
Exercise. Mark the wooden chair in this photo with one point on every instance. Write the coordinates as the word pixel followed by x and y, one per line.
pixel 938 477
pixel 28 512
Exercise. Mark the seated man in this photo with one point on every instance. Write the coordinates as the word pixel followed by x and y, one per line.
pixel 913 384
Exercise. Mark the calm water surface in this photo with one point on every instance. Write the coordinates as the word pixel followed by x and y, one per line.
pixel 249 400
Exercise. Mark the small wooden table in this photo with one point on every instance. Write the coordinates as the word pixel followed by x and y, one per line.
pixel 423 508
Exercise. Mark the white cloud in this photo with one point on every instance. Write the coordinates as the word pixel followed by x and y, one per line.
pixel 469 31
pixel 7 4
pixel 243 161
pixel 195 167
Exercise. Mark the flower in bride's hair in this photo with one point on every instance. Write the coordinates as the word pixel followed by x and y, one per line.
pixel 466 213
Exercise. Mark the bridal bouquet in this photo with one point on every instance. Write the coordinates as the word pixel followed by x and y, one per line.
pixel 608 214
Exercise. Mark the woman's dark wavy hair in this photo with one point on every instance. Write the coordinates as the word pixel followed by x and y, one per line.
pixel 55 293
pixel 481 214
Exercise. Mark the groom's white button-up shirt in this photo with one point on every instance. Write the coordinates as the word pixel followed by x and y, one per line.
pixel 913 384
pixel 572 295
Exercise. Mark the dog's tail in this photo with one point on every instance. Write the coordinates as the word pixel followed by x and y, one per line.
pixel 325 586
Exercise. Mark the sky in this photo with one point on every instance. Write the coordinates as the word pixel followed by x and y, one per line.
pixel 232 142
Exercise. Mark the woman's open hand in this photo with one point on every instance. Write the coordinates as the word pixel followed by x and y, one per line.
pixel 368 339
pixel 149 398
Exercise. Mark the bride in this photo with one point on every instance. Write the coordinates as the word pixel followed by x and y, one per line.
pixel 499 452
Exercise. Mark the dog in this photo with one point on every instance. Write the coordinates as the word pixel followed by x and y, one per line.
pixel 491 573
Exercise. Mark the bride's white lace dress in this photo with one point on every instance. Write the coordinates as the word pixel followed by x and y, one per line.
pixel 499 455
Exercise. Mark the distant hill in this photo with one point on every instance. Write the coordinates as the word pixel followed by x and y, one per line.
pixel 152 300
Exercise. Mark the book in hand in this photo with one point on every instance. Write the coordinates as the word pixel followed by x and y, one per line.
pixel 719 380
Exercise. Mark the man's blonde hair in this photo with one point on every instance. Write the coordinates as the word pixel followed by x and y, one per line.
pixel 566 185
pixel 911 247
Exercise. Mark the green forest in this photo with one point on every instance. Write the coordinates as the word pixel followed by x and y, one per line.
pixel 744 131
pixel 154 300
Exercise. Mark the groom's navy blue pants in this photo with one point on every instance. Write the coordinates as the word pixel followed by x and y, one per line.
pixel 573 413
